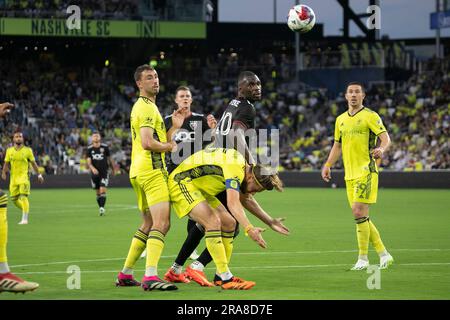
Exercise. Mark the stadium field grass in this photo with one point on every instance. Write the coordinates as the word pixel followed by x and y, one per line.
pixel 311 263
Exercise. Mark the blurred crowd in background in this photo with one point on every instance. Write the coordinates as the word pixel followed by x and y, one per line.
pixel 59 106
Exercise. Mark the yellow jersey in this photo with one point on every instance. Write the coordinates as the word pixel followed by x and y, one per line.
pixel 146 114
pixel 358 135
pixel 212 170
pixel 19 160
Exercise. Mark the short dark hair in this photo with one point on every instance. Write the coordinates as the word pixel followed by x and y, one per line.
pixel 245 74
pixel 182 88
pixel 140 69
pixel 356 83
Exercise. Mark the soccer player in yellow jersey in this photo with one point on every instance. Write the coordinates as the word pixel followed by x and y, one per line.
pixel 193 187
pixel 9 282
pixel 19 157
pixel 148 176
pixel 356 135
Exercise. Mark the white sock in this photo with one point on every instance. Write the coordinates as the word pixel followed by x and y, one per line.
pixel 383 254
pixel 4 268
pixel 196 265
pixel 24 216
pixel 226 275
pixel 151 271
pixel 176 268
pixel 128 271
pixel 363 257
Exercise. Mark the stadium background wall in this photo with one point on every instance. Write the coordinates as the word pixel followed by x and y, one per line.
pixel 439 179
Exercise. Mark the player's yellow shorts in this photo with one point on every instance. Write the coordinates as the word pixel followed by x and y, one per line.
pixel 185 196
pixel 364 189
pixel 17 189
pixel 151 188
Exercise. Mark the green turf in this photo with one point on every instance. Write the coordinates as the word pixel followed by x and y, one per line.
pixel 311 263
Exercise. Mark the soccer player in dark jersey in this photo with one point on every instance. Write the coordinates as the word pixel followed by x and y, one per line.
pixel 9 282
pixel 99 160
pixel 238 117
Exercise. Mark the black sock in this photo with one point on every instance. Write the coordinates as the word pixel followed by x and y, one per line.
pixel 193 239
pixel 191 223
pixel 101 200
pixel 205 257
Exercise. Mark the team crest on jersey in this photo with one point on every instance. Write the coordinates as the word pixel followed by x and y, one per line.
pixel 193 124
pixel 102 150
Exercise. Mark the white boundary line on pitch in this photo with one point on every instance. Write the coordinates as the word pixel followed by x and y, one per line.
pixel 254 268
pixel 236 253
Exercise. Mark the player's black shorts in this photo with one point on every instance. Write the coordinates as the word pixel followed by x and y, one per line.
pixel 100 180
pixel 222 197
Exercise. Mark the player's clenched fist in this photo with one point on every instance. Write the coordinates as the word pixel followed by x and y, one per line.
pixel 326 173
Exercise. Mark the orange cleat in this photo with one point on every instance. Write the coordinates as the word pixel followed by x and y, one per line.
pixel 218 280
pixel 198 276
pixel 176 278
pixel 238 284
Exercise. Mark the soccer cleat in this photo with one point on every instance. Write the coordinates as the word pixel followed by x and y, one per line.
pixel 218 280
pixel 198 276
pixel 194 255
pixel 155 283
pixel 23 222
pixel 12 283
pixel 360 265
pixel 101 210
pixel 238 284
pixel 176 278
pixel 386 261
pixel 126 280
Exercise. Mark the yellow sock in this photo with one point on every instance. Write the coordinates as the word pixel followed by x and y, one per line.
pixel 25 204
pixel 363 235
pixel 3 227
pixel 155 246
pixel 138 245
pixel 227 240
pixel 216 248
pixel 375 238
pixel 18 203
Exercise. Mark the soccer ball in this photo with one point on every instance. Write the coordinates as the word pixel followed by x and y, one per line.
pixel 301 18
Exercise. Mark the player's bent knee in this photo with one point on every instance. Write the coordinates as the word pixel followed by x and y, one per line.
pixel 359 210
pixel 228 223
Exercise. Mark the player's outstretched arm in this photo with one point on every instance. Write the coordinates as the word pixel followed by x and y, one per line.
pixel 276 224
pixel 5 108
pixel 235 207
pixel 335 154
